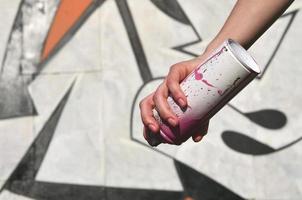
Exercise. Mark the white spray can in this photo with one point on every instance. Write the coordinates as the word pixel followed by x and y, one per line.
pixel 208 88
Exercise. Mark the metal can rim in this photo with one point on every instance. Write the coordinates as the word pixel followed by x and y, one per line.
pixel 242 56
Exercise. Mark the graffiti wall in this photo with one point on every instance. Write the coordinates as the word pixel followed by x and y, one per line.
pixel 72 75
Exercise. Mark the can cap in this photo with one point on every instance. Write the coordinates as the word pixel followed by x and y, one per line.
pixel 242 56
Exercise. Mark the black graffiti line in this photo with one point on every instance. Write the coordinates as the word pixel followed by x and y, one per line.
pixel 173 9
pixel 135 41
pixel 181 48
pixel 30 164
pixel 198 185
pixel 183 18
pixel 59 191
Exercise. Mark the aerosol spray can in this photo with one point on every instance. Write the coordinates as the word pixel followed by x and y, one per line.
pixel 208 88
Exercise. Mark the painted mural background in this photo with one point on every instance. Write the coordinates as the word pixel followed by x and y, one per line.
pixel 73 72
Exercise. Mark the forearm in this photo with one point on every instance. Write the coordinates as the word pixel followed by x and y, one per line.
pixel 248 20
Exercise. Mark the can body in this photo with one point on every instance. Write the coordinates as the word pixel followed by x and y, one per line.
pixel 207 88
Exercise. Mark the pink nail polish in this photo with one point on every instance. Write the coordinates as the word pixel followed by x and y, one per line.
pixel 181 102
pixel 198 138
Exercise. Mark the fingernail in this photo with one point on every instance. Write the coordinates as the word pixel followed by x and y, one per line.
pixel 198 138
pixel 152 127
pixel 181 102
pixel 172 121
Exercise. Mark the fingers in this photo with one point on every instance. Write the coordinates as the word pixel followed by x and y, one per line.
pixel 158 100
pixel 176 74
pixel 202 131
pixel 146 107
pixel 162 106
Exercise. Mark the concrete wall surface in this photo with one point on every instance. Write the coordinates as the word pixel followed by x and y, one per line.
pixel 73 73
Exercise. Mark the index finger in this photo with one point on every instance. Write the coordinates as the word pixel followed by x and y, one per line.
pixel 146 107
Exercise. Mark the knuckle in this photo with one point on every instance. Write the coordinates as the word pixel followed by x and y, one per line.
pixel 145 119
pixel 176 91
pixel 156 97
pixel 173 68
pixel 142 103
pixel 172 85
pixel 177 94
pixel 157 94
pixel 170 82
pixel 164 116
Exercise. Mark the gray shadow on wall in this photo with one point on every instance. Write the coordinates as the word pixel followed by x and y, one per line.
pixel 267 118
pixel 247 145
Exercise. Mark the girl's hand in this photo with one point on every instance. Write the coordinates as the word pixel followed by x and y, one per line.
pixel 158 99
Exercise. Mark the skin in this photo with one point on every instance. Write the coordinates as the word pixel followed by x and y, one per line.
pixel 248 20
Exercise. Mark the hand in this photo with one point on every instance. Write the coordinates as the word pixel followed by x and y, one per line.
pixel 158 99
